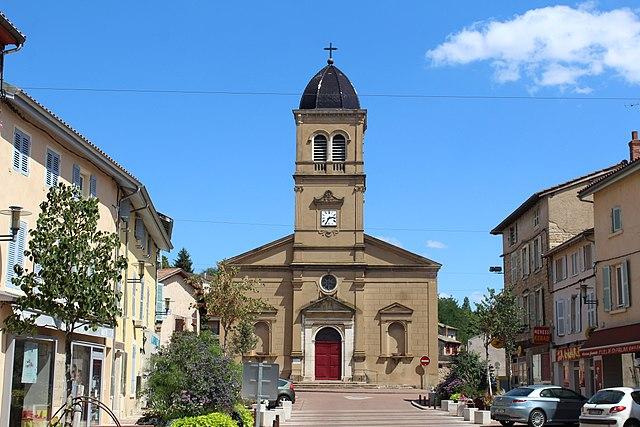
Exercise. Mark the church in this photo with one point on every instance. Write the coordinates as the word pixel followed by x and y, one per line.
pixel 347 307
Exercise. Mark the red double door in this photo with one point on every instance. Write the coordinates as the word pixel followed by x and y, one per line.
pixel 328 357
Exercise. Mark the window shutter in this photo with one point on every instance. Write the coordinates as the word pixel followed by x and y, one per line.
pixel 625 284
pixel 159 300
pixel 75 178
pixel 532 309
pixel 579 313
pixel 139 229
pixel 560 321
pixel 49 178
pixel 93 186
pixel 17 150
pixel 53 168
pixel 11 260
pixel 606 287
pixel 24 149
pixel 142 299
pixel 320 148
pixel 338 149
pixel 21 243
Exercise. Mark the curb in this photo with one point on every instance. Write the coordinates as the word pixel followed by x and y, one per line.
pixel 356 390
pixel 419 406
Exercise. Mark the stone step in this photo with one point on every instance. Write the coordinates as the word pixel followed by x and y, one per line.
pixel 349 385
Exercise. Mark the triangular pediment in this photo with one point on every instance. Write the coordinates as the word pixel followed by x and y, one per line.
pixel 328 304
pixel 276 253
pixel 379 253
pixel 396 308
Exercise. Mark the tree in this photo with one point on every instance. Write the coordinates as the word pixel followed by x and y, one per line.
pixel 244 339
pixel 462 318
pixel 487 326
pixel 233 300
pixel 165 262
pixel 183 261
pixel 76 270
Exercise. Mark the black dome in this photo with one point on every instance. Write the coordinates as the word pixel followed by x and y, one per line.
pixel 329 88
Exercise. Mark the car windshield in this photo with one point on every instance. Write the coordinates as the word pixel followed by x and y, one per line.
pixel 520 391
pixel 282 383
pixel 606 397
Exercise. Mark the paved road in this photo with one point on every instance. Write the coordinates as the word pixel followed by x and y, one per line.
pixel 364 409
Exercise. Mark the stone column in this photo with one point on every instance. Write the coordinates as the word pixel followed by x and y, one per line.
pixel 296 331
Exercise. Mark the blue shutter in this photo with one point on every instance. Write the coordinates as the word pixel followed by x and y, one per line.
pixel 75 177
pixel 11 260
pixel 21 239
pixel 24 149
pixel 17 149
pixel 139 229
pixel 606 287
pixel 625 284
pixel 53 168
pixel 159 300
pixel 93 184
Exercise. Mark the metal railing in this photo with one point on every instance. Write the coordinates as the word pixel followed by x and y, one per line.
pixel 74 408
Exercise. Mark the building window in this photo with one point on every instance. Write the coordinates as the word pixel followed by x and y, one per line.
pixel 587 257
pixel 262 331
pixel 133 296
pixel 328 283
pixel 575 269
pixel 526 305
pixel 560 269
pixel 142 299
pixel 31 382
pixel 539 307
pixel 178 324
pixel 338 148
pixel 397 339
pixel 616 219
pixel 86 182
pixel 536 216
pixel 21 150
pixel 319 148
pixel 15 255
pixel 132 383
pixel 513 234
pixel 514 267
pixel 575 308
pixel 537 253
pixel 53 168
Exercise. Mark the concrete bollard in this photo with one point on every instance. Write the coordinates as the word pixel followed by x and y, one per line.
pixel 287 406
pixel 444 405
pixel 267 418
pixel 467 413
pixel 461 407
pixel 482 417
pixel 453 408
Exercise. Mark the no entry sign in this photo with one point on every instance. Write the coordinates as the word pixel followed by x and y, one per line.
pixel 425 360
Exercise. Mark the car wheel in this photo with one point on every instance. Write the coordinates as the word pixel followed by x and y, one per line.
pixel 507 423
pixel 632 423
pixel 282 398
pixel 537 418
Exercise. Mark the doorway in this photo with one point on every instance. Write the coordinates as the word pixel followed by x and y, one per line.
pixel 87 367
pixel 328 354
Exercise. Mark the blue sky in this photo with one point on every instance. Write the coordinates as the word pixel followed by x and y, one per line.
pixel 441 172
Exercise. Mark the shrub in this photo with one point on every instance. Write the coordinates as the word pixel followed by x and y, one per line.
pixel 216 419
pixel 245 415
pixel 467 376
pixel 190 376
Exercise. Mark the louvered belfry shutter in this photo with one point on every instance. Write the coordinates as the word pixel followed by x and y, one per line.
pixel 93 186
pixel 76 175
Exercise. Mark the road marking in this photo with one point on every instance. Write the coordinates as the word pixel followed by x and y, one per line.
pixel 357 397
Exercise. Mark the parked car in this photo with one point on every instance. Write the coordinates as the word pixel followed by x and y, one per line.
pixel 286 392
pixel 616 406
pixel 538 405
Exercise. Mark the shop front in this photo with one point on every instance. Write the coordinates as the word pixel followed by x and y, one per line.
pixel 532 364
pixel 572 371
pixel 614 356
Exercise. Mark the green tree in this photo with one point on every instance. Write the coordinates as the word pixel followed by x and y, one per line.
pixel 460 317
pixel 244 339
pixel 231 299
pixel 165 262
pixel 76 270
pixel 183 261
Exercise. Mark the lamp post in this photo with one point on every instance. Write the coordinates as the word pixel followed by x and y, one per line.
pixel 16 212
pixel 141 267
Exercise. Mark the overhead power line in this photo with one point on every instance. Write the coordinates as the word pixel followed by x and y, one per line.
pixel 178 91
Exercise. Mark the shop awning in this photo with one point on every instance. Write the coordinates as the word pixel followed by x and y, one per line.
pixel 618 340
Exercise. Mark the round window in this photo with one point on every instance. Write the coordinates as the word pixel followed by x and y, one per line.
pixel 328 283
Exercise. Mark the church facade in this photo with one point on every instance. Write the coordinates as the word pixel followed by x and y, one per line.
pixel 346 305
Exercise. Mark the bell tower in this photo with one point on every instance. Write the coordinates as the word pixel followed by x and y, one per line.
pixel 329 178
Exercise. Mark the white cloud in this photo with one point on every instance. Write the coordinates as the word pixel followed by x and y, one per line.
pixel 391 240
pixel 551 46
pixel 434 244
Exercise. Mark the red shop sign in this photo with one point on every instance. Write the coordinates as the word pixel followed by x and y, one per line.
pixel 541 335
pixel 618 349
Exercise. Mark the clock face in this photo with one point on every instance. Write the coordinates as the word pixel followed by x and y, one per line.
pixel 328 283
pixel 329 218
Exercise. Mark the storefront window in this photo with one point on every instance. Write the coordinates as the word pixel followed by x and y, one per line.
pixel 86 371
pixel 32 382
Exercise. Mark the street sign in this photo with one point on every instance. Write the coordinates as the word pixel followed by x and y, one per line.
pixel 425 360
pixel 259 382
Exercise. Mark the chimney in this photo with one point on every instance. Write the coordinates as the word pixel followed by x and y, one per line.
pixel 634 146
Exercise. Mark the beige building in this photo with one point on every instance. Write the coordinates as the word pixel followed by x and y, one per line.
pixel 448 344
pixel 572 285
pixel 347 306
pixel 175 304
pixel 545 220
pixel 38 150
pixel 614 348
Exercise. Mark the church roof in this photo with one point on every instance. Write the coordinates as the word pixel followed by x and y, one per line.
pixel 329 88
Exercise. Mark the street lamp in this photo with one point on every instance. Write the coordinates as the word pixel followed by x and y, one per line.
pixel 141 267
pixel 495 269
pixel 16 212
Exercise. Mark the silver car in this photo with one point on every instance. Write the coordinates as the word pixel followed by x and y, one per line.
pixel 538 405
